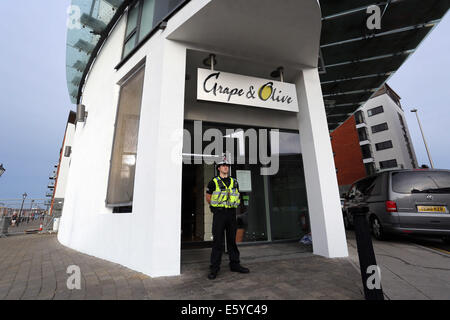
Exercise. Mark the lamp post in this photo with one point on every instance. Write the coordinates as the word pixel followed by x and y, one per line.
pixel 423 137
pixel 2 169
pixel 21 207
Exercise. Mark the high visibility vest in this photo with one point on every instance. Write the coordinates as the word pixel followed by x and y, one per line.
pixel 223 196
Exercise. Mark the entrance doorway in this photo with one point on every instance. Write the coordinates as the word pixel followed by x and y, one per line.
pixel 273 207
pixel 196 217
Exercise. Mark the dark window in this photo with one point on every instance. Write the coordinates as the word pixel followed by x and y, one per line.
pixel 388 164
pixel 421 182
pixel 370 168
pixel 374 111
pixel 384 145
pixel 359 117
pixel 133 26
pixel 380 127
pixel 143 17
pixel 123 209
pixel 364 187
pixel 362 134
pixel 375 187
pixel 366 152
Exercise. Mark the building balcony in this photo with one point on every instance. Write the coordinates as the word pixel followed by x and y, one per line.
pixel 364 142
pixel 368 160
pixel 361 125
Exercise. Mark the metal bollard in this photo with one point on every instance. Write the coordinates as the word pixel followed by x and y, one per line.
pixel 365 250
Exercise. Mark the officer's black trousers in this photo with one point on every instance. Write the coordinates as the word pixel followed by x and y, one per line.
pixel 224 221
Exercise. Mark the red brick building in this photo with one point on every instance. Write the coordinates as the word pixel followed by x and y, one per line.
pixel 348 157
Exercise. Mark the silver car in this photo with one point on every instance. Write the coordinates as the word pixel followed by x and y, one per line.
pixel 404 202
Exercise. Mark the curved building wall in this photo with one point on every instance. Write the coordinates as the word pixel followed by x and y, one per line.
pixel 88 225
pixel 148 239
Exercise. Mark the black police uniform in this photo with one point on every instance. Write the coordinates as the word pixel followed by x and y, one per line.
pixel 224 220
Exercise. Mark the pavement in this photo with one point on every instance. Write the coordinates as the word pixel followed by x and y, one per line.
pixel 35 266
pixel 409 271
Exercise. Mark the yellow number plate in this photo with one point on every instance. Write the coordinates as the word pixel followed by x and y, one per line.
pixel 440 209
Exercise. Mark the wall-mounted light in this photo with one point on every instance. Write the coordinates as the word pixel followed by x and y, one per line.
pixel 278 73
pixel 210 61
pixel 162 25
pixel 81 113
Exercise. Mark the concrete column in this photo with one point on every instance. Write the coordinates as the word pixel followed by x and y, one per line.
pixel 157 198
pixel 327 227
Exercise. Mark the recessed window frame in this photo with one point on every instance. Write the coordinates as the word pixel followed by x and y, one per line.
pixel 376 128
pixel 156 26
pixel 125 207
pixel 366 151
pixel 384 145
pixel 386 164
pixel 374 111
pixel 139 4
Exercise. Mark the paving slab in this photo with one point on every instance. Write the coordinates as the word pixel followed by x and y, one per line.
pixel 408 271
pixel 34 267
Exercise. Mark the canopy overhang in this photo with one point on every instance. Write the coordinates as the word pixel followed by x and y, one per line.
pixel 259 30
pixel 354 61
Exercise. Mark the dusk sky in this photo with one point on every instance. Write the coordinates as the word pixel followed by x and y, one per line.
pixel 35 102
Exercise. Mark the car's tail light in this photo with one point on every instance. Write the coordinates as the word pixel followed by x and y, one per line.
pixel 391 206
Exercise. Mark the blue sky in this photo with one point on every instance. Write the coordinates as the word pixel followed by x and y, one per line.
pixel 423 82
pixel 35 103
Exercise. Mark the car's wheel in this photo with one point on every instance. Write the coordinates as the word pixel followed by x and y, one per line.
pixel 347 223
pixel 377 228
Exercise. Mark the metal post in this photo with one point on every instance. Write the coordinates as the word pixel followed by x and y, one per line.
pixel 21 207
pixel 423 137
pixel 365 251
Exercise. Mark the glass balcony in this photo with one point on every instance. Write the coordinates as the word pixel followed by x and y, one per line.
pixel 87 20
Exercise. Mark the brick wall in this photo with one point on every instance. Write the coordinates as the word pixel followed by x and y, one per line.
pixel 347 153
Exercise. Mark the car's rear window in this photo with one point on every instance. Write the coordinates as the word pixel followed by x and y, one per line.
pixel 421 182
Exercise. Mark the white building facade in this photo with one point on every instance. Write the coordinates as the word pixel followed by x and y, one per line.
pixel 165 86
pixel 383 133
pixel 62 170
pixel 124 196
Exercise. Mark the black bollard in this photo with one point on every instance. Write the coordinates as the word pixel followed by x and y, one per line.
pixel 365 251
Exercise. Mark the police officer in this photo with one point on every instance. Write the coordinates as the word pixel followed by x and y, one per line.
pixel 223 195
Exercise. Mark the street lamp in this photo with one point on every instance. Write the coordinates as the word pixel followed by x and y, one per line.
pixel 2 169
pixel 423 137
pixel 21 207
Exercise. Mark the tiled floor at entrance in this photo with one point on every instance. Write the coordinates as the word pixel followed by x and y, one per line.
pixel 34 267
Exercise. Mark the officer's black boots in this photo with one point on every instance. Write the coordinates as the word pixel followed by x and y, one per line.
pixel 235 268
pixel 212 275
pixel 239 269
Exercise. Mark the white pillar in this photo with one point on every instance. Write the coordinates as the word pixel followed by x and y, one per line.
pixel 327 227
pixel 158 172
